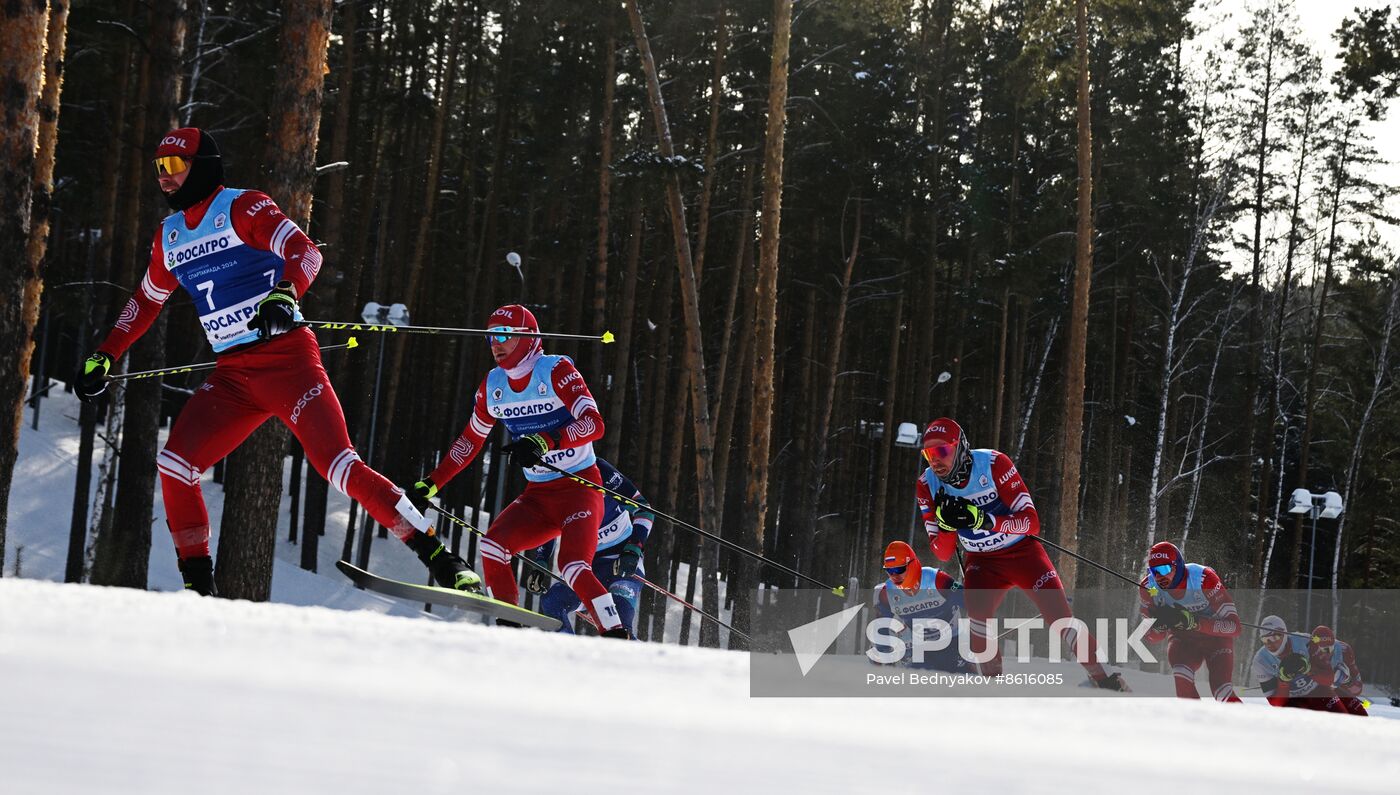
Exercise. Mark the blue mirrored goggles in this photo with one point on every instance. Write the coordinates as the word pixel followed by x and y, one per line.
pixel 1162 570
pixel 896 571
pixel 502 339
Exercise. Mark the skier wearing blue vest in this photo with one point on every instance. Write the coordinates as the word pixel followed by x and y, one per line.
pixel 552 418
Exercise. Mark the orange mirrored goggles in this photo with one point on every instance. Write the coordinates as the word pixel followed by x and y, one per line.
pixel 939 452
pixel 171 164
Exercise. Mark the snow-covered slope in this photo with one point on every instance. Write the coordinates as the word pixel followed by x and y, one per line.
pixel 120 691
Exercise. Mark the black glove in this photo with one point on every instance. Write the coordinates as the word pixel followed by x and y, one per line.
pixel 626 564
pixel 92 381
pixel 1294 666
pixel 423 491
pixel 956 513
pixel 276 313
pixel 526 450
pixel 1171 617
pixel 536 581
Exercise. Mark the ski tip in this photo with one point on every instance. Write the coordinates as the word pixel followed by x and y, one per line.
pixel 352 343
pixel 607 337
pixel 839 590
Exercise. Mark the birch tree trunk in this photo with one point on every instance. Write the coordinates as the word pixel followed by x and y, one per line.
pixel 1378 387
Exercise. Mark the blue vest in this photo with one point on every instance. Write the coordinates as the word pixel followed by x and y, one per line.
pixel 616 525
pixel 927 602
pixel 1193 599
pixel 1341 673
pixel 980 490
pixel 535 409
pixel 225 276
pixel 1266 666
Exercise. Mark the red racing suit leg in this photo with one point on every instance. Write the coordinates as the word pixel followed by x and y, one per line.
pixel 984 588
pixel 555 508
pixel 1188 651
pixel 1185 654
pixel 1025 566
pixel 283 377
pixel 1220 665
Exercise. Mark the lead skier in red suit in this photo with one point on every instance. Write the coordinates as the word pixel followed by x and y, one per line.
pixel 245 264
pixel 978 499
pixel 551 417
pixel 1189 604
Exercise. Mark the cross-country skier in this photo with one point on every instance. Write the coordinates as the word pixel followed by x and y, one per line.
pixel 1190 606
pixel 245 264
pixel 977 497
pixel 552 417
pixel 1334 664
pixel 622 533
pixel 914 592
pixel 1283 669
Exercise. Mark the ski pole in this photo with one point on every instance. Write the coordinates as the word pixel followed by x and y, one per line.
pixel 326 325
pixel 839 590
pixel 674 598
pixel 192 368
pixel 1151 589
pixel 463 523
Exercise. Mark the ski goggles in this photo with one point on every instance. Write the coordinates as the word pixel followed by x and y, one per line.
pixel 171 164
pixel 1162 570
pixel 1270 636
pixel 939 452
pixel 502 339
pixel 896 571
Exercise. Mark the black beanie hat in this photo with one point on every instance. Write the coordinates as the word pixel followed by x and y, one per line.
pixel 206 165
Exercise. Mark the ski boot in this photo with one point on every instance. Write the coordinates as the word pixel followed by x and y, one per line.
pixel 619 631
pixel 448 569
pixel 198 574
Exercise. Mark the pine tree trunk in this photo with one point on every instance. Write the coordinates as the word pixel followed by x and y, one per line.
pixel 123 550
pixel 249 525
pixel 113 173
pixel 702 233
pixel 882 476
pixel 999 388
pixel 600 256
pixel 926 354
pixel 690 303
pixel 766 307
pixel 22 29
pixel 1252 375
pixel 736 275
pixel 835 345
pixel 1070 438
pixel 1294 238
pixel 622 361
